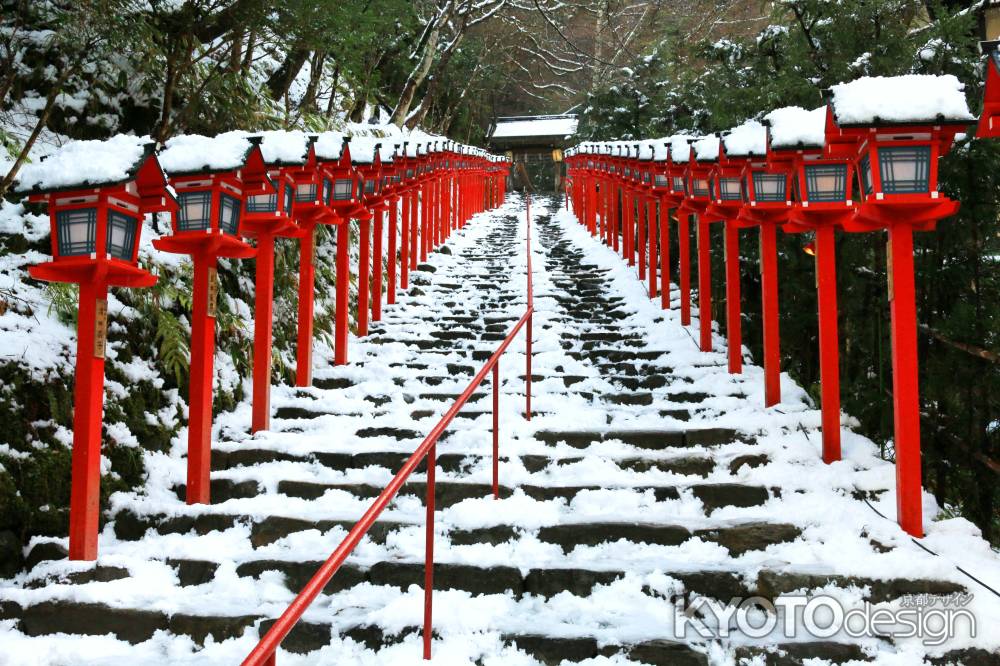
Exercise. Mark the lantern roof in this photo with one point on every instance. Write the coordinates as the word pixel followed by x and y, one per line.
pixel 364 149
pixel 330 146
pixel 645 151
pixel 87 164
pixel 661 149
pixel 706 149
pixel 746 140
pixel 680 147
pixel 193 153
pixel 793 127
pixel 286 147
pixel 914 99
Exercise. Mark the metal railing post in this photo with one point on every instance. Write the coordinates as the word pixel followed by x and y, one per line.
pixel 429 551
pixel 496 430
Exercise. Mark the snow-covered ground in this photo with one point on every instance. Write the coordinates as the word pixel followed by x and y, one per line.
pixel 390 384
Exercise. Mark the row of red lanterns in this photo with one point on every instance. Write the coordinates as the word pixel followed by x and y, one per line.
pixel 221 192
pixel 867 161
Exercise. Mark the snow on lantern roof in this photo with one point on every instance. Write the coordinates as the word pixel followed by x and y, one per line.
pixel 194 153
pixel 646 149
pixel 363 149
pixel 746 140
pixel 330 146
pixel 86 164
pixel 914 98
pixel 794 127
pixel 284 147
pixel 532 126
pixel 661 149
pixel 680 147
pixel 706 149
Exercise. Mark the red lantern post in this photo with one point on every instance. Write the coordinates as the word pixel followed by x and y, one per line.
pixel 989 120
pixel 96 225
pixel 207 226
pixel 725 206
pixel 367 160
pixel 697 198
pixel 901 126
pixel 680 157
pixel 667 196
pixel 823 178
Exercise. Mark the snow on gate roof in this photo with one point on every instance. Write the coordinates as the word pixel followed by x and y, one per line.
pixel 535 126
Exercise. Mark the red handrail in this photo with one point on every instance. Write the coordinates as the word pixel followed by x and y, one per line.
pixel 265 651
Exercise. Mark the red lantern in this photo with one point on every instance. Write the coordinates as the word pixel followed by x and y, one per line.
pixel 989 120
pixel 207 226
pixel 704 153
pixel 823 178
pixel 96 222
pixel 367 161
pixel 901 126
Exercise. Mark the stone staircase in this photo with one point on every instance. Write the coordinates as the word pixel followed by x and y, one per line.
pixel 641 484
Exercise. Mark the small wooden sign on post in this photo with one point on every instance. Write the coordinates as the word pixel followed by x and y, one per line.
pixel 213 291
pixel 100 327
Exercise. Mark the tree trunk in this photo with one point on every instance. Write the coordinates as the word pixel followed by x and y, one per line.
pixel 281 79
pixel 248 56
pixel 43 119
pixel 236 52
pixel 315 75
pixel 422 68
pixel 333 91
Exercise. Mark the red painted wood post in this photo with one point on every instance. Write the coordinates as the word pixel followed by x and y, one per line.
pixel 496 430
pixel 616 218
pixel 429 551
pixel 704 283
pixel 684 265
pixel 200 390
pixel 342 302
pixel 263 314
pixel 426 239
pixel 664 255
pixel 905 379
pixel 734 326
pixel 414 229
pixel 769 302
pixel 404 245
pixel 651 228
pixel 629 223
pixel 307 281
pixel 829 341
pixel 377 268
pixel 364 275
pixel 88 413
pixel 390 294
pixel 609 209
pixel 640 235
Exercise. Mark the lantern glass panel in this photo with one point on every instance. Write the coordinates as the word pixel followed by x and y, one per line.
pixel 327 189
pixel 769 187
pixel 865 174
pixel 262 203
pixel 305 192
pixel 826 182
pixel 905 169
pixel 343 189
pixel 661 181
pixel 645 176
pixel 121 235
pixel 229 214
pixel 195 211
pixel 628 172
pixel 289 198
pixel 77 231
pixel 729 189
pixel 699 187
pixel 409 173
pixel 370 186
pixel 678 184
